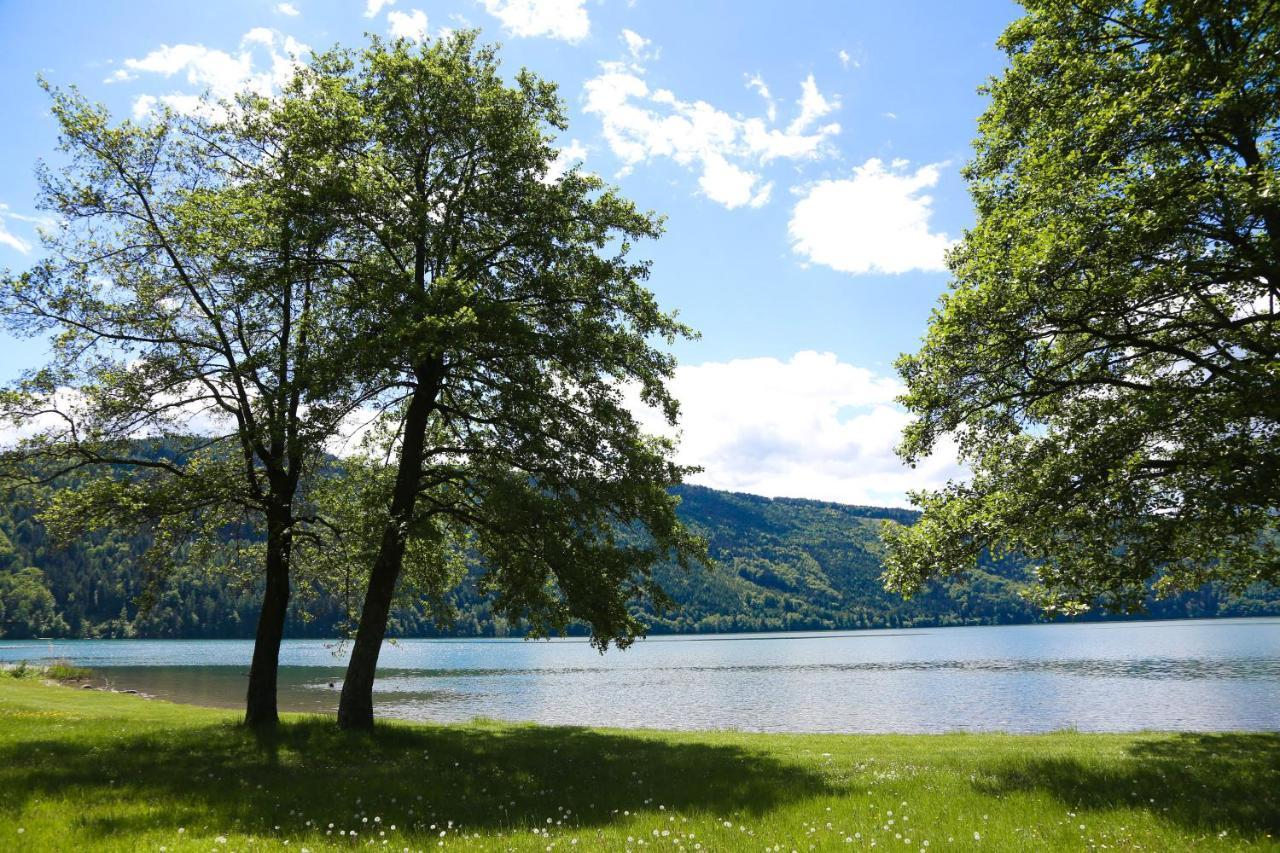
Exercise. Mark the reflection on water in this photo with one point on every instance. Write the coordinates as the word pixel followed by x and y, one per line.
pixel 1161 668
pixel 1200 675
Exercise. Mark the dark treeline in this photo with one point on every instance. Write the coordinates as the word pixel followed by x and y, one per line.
pixel 782 564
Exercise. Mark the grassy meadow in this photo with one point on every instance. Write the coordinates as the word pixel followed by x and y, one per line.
pixel 88 770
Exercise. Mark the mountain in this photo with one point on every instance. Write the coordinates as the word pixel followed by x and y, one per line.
pixel 782 564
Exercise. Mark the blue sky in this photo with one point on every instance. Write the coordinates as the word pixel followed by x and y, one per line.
pixel 806 155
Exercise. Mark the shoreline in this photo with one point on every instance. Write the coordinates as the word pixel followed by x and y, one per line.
pixel 1126 621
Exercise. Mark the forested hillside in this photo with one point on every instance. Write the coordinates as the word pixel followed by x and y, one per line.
pixel 782 564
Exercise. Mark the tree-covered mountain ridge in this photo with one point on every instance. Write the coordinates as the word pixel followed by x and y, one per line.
pixel 782 564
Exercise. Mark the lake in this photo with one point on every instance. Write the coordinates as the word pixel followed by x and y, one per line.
pixel 1199 675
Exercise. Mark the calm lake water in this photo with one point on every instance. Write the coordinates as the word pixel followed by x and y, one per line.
pixel 1186 675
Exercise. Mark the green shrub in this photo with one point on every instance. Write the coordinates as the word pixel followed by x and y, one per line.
pixel 61 670
pixel 64 670
pixel 18 670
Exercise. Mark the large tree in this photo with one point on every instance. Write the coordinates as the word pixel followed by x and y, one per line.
pixel 27 608
pixel 189 293
pixel 1108 358
pixel 502 306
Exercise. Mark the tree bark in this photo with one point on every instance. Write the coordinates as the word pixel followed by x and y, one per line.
pixel 260 704
pixel 355 708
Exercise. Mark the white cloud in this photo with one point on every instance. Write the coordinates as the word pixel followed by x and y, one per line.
pixel 875 222
pixel 827 431
pixel 409 25
pixel 813 106
pixel 731 186
pixel 7 237
pixel 143 105
pixel 214 68
pixel 265 61
pixel 18 428
pixel 373 7
pixel 560 19
pixel 846 60
pixel 567 157
pixel 349 439
pixel 640 124
pixel 13 241
pixel 67 406
pixel 771 106
pixel 288 9
pixel 637 46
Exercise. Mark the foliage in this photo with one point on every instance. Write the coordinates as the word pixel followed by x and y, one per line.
pixel 1108 358
pixel 189 291
pixel 356 497
pixel 105 585
pixel 18 670
pixel 59 670
pixel 782 564
pixel 503 318
pixel 182 293
pixel 64 670
pixel 27 608
pixel 507 314
pixel 83 769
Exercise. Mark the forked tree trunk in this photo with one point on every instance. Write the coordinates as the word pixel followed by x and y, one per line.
pixel 355 709
pixel 260 704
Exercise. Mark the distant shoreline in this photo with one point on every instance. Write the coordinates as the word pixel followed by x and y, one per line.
pixel 696 636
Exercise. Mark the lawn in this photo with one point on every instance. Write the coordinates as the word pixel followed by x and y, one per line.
pixel 91 770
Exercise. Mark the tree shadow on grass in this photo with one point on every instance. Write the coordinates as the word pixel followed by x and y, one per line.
pixel 1206 782
pixel 481 777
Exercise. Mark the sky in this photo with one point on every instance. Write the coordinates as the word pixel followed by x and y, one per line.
pixel 806 156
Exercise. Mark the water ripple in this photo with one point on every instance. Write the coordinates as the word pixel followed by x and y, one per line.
pixel 1242 668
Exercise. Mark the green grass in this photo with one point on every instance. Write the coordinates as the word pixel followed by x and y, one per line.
pixel 99 771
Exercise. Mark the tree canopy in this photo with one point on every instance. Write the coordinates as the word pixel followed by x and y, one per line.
pixel 503 308
pixel 1108 357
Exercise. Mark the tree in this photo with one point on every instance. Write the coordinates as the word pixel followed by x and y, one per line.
pixel 188 289
pixel 27 608
pixel 503 309
pixel 1108 357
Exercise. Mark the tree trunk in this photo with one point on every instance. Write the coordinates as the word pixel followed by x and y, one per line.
pixel 260 704
pixel 355 709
